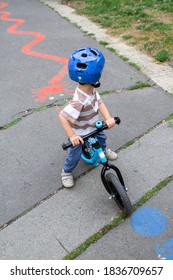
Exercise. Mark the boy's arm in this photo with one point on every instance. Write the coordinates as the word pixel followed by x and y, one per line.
pixel 75 139
pixel 105 113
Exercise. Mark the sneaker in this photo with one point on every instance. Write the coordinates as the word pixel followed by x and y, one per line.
pixel 110 154
pixel 67 179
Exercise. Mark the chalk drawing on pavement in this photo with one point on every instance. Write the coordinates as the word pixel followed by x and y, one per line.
pixel 165 250
pixel 55 85
pixel 148 222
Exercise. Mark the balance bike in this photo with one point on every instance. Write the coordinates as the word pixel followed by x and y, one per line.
pixel 93 153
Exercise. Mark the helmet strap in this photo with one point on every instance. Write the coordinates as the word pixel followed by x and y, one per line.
pixel 82 84
pixel 96 85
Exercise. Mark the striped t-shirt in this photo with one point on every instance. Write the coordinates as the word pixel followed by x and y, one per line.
pixel 82 112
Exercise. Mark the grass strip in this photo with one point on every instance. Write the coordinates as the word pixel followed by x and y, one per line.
pixel 94 238
pixel 10 124
pixel 169 120
pixel 139 85
pixel 24 114
pixel 169 117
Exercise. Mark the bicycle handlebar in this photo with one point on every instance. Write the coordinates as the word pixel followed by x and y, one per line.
pixel 65 146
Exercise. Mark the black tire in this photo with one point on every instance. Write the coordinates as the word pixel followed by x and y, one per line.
pixel 120 195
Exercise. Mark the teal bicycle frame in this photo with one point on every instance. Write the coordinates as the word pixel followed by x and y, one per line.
pixel 95 152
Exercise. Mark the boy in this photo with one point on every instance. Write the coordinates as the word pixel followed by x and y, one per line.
pixel 79 116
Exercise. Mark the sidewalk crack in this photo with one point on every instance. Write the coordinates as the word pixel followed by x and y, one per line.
pixel 62 245
pixel 23 114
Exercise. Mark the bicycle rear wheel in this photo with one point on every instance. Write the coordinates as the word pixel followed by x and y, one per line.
pixel 119 193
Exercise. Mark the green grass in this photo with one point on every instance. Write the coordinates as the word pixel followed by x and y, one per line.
pixel 105 92
pixel 14 122
pixel 169 120
pixel 147 24
pixel 127 37
pixel 170 124
pixel 162 56
pixel 112 50
pixel 103 43
pixel 139 85
pixel 169 117
pixel 134 65
pixel 133 87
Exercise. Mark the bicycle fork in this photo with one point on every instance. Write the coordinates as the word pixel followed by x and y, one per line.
pixel 107 166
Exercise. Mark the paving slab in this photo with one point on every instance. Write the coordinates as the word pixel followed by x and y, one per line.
pixel 30 74
pixel 31 153
pixel 71 216
pixel 146 235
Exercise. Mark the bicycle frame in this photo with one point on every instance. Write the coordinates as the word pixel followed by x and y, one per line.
pixel 93 148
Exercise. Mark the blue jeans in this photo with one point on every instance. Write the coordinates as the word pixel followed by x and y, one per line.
pixel 75 153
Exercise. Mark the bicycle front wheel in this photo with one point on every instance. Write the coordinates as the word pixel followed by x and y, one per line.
pixel 119 193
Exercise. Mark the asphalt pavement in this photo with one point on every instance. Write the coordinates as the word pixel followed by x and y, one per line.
pixel 40 219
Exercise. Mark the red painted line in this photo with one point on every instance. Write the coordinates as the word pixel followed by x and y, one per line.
pixel 54 85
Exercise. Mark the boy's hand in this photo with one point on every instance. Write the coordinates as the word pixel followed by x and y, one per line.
pixel 110 122
pixel 76 140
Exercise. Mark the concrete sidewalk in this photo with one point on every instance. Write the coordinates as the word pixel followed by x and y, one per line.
pixel 39 219
pixel 67 219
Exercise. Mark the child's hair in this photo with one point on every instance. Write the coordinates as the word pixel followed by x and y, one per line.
pixel 86 65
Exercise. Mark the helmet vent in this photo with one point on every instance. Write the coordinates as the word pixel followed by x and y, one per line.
pixel 81 65
pixel 94 52
pixel 84 55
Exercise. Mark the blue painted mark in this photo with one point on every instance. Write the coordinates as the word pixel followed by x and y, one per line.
pixel 148 221
pixel 166 250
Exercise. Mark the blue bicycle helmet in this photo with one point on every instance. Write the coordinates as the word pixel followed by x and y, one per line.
pixel 85 65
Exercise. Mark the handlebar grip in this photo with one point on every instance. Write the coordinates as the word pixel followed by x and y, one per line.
pixel 66 146
pixel 117 119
